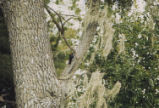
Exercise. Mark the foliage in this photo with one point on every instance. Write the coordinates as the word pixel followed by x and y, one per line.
pixel 46 2
pixel 91 93
pixel 60 50
pixel 136 68
pixel 124 5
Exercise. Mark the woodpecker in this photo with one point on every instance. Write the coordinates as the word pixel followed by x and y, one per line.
pixel 71 56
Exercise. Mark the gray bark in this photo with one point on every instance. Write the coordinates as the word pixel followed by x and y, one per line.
pixel 89 31
pixel 87 37
pixel 35 80
pixel 88 34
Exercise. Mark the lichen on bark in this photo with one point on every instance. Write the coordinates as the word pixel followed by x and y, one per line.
pixel 34 73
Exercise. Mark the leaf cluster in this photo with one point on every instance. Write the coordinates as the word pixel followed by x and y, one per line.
pixel 136 68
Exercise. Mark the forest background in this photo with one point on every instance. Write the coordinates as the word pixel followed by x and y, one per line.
pixel 133 59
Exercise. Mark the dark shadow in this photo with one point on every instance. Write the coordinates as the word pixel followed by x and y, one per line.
pixel 6 72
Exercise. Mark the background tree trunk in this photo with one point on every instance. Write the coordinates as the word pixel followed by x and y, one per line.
pixel 35 81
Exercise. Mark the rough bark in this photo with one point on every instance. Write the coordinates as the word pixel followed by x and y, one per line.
pixel 35 80
pixel 89 31
pixel 87 37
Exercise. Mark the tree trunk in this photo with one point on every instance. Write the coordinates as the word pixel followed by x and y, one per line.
pixel 35 80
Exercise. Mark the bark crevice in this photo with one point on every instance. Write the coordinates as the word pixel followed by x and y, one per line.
pixel 34 72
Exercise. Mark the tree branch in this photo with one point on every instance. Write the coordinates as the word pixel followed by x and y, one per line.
pixel 60 28
pixel 70 15
pixel 59 16
pixel 68 44
pixel 83 47
pixel 87 37
pixel 68 20
pixel 54 20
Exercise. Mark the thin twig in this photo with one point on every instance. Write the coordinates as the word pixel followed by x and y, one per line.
pixel 60 28
pixel 60 16
pixel 70 15
pixel 67 20
pixel 68 44
pixel 54 20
